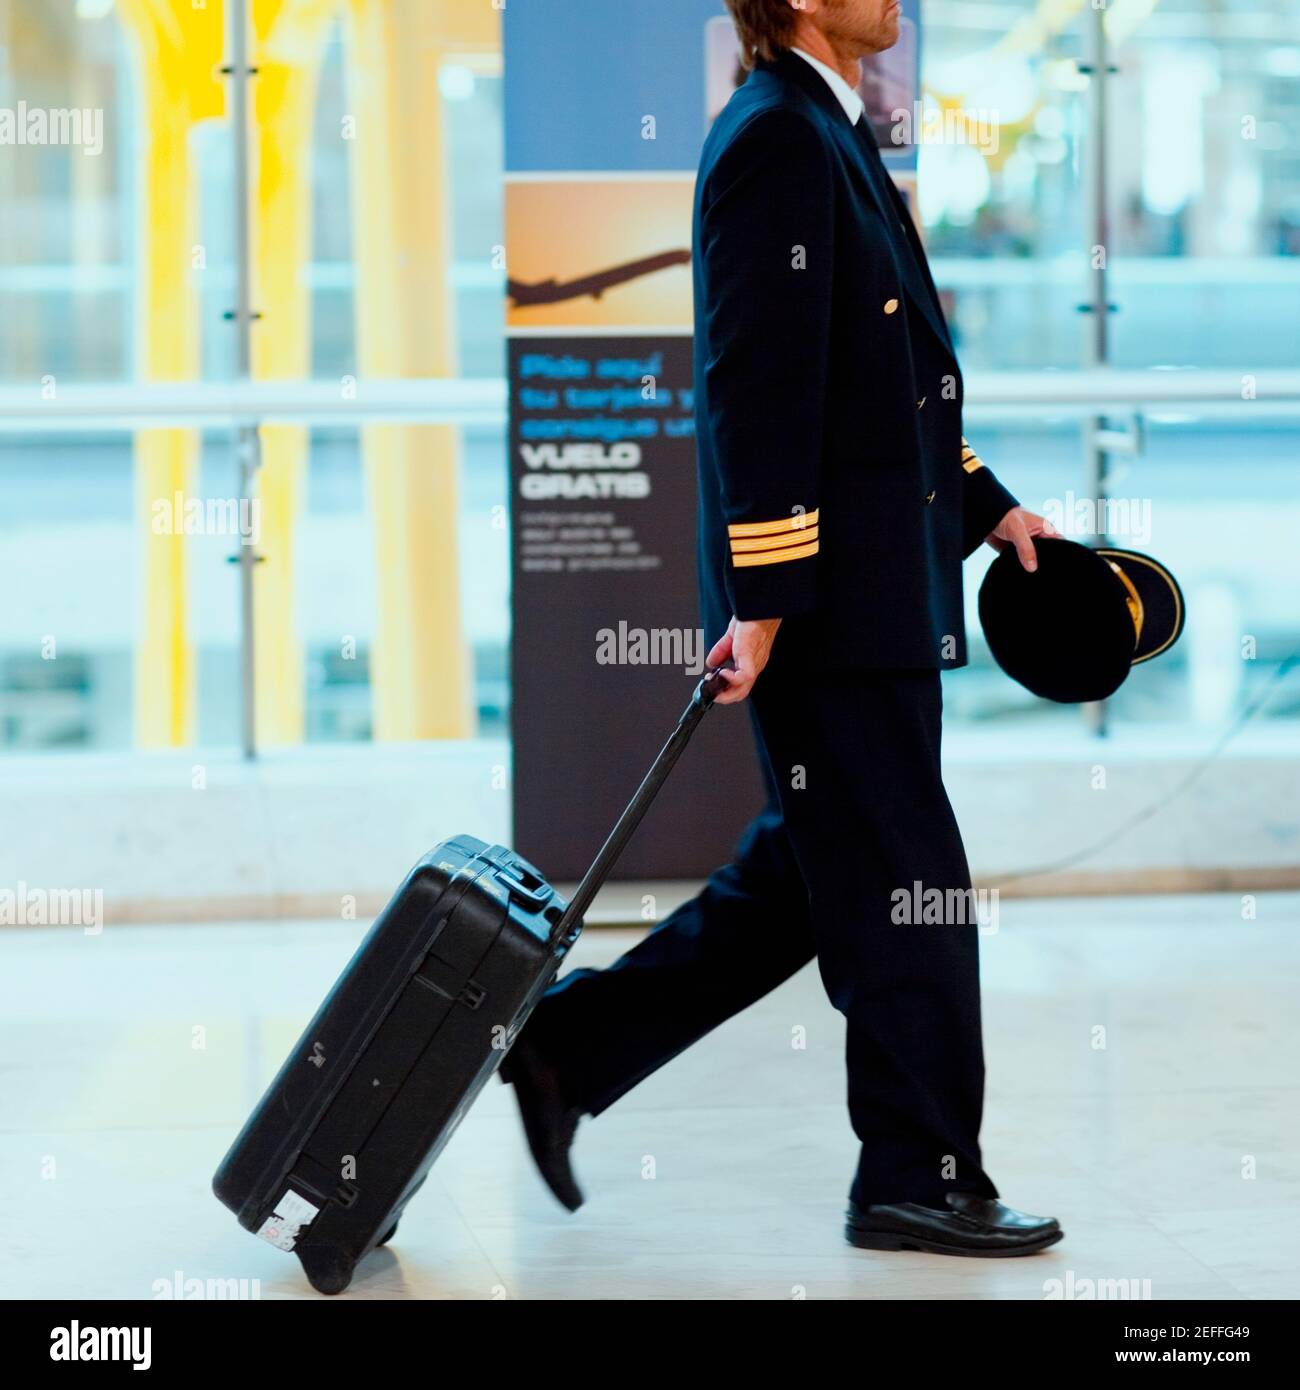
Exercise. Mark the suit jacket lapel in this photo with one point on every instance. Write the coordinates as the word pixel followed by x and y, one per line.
pixel 910 258
pixel 914 241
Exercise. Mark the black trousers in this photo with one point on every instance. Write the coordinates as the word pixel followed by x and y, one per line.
pixel 858 816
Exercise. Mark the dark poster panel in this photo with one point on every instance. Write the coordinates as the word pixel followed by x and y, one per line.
pixel 607 645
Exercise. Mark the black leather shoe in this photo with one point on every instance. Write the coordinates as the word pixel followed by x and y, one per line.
pixel 549 1121
pixel 969 1225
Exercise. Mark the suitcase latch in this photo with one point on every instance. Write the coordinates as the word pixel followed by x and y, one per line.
pixel 471 995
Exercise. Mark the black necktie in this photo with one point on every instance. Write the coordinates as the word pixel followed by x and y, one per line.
pixel 862 128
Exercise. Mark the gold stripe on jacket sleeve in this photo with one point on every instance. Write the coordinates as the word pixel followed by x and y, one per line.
pixel 773 557
pixel 753 543
pixel 970 460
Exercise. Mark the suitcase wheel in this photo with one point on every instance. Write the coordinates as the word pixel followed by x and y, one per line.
pixel 387 1236
pixel 327 1271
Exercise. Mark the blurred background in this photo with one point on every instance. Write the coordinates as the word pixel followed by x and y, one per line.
pixel 376 207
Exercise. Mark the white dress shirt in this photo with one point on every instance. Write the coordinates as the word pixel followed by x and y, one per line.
pixel 849 99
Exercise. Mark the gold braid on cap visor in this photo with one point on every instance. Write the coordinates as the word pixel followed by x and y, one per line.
pixel 1134 601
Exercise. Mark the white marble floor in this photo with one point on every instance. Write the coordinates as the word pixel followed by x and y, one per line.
pixel 128 1061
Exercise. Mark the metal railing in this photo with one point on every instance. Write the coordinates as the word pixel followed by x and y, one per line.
pixel 482 402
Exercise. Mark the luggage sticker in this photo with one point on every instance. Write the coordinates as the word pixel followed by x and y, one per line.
pixel 291 1214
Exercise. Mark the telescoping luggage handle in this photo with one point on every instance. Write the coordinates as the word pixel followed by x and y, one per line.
pixel 706 692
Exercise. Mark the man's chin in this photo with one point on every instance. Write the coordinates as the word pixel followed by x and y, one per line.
pixel 887 34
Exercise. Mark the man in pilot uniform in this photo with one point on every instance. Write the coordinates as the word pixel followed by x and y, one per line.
pixel 837 501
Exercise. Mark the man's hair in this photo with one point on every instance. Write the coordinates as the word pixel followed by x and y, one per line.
pixel 764 26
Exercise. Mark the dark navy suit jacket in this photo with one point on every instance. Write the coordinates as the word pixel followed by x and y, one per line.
pixel 835 487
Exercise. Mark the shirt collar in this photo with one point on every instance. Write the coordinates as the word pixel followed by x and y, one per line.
pixel 849 99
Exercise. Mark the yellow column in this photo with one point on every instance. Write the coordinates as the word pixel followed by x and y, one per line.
pixel 178 49
pixel 404 327
pixel 420 666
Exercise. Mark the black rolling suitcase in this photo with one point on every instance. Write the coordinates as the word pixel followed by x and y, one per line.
pixel 416 1025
